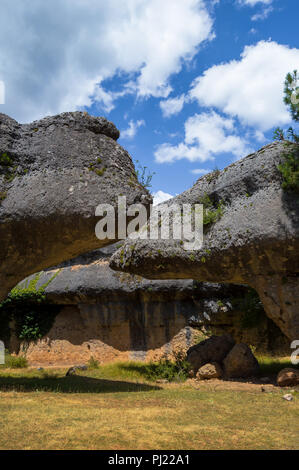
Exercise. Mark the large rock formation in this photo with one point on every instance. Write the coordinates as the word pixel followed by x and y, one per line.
pixel 53 174
pixel 118 316
pixel 255 240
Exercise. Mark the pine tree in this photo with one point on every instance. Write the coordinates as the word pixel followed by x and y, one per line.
pixel 289 167
pixel 291 94
pixel 291 99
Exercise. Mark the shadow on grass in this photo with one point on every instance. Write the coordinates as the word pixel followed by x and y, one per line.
pixel 272 366
pixel 73 384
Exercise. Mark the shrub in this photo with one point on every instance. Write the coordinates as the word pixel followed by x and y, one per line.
pixel 93 363
pixel 25 304
pixel 211 212
pixel 143 175
pixel 252 308
pixel 173 371
pixel 289 169
pixel 15 362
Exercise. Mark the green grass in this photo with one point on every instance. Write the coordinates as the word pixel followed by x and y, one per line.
pixel 114 407
pixel 272 365
pixel 100 413
pixel 14 362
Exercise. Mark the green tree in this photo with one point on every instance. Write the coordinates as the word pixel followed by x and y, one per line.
pixel 289 167
pixel 291 94
pixel 291 99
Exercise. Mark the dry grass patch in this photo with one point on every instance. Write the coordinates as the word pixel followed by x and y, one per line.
pixel 93 411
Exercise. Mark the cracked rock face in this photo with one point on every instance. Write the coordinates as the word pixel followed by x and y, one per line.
pixel 255 240
pixel 53 174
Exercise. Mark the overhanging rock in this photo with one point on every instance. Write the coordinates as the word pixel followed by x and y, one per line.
pixel 254 241
pixel 53 174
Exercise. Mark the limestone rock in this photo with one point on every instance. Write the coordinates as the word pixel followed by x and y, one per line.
pixel 288 377
pixel 240 362
pixel 288 397
pixel 254 240
pixel 118 316
pixel 213 349
pixel 53 174
pixel 209 371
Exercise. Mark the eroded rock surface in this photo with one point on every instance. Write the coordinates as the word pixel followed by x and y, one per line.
pixel 53 174
pixel 240 362
pixel 288 377
pixel 210 371
pixel 213 349
pixel 118 316
pixel 255 240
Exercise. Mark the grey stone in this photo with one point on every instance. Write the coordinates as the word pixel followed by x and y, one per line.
pixel 240 362
pixel 288 377
pixel 211 370
pixel 213 349
pixel 288 397
pixel 59 169
pixel 254 242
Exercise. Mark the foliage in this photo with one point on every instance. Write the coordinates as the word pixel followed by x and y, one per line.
pixel 291 94
pixel 252 308
pixel 14 362
pixel 144 175
pixel 213 175
pixel 25 305
pixel 7 167
pixel 173 371
pixel 93 363
pixel 211 212
pixel 289 169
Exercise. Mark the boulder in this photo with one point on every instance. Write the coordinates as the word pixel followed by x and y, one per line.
pixel 240 362
pixel 251 236
pixel 209 371
pixel 213 349
pixel 53 174
pixel 288 377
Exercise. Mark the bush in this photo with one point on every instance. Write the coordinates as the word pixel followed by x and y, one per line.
pixel 252 308
pixel 25 304
pixel 15 362
pixel 173 371
pixel 289 169
pixel 211 212
pixel 93 364
pixel 144 175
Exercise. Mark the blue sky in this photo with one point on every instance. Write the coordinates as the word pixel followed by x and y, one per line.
pixel 192 85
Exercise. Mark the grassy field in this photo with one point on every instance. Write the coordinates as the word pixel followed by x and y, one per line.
pixel 115 408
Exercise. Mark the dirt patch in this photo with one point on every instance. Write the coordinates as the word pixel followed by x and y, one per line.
pixel 251 385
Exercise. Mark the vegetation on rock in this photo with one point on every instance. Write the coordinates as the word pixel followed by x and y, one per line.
pixel 252 308
pixel 24 306
pixel 289 167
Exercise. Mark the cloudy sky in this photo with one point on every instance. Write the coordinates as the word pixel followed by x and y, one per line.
pixel 191 84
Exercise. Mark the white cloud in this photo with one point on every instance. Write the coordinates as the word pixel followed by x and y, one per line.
pixel 206 135
pixel 54 55
pixel 160 196
pixel 200 171
pixel 263 15
pixel 172 105
pixel 131 131
pixel 252 3
pixel 250 88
